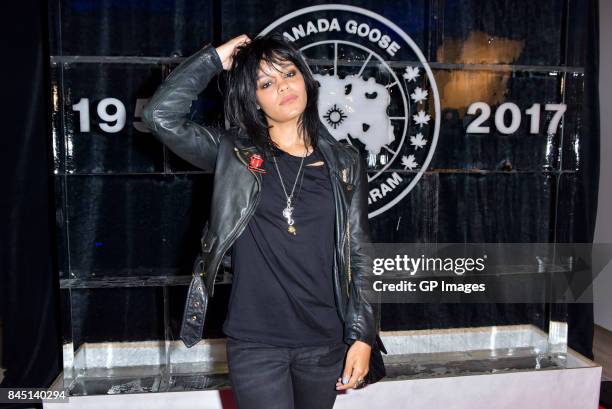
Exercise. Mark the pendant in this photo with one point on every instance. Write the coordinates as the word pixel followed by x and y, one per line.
pixel 287 213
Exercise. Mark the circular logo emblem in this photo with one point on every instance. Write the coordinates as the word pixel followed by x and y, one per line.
pixel 377 92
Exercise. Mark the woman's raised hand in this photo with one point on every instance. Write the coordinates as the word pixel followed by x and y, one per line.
pixel 226 51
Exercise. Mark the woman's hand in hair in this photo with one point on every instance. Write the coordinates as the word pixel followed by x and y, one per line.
pixel 226 51
pixel 356 365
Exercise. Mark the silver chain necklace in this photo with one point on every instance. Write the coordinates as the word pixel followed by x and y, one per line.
pixel 288 210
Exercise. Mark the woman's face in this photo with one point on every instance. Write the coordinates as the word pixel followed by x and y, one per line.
pixel 281 92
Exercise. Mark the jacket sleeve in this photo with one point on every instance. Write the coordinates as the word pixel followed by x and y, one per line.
pixel 361 323
pixel 166 112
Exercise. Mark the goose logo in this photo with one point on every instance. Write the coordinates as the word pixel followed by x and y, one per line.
pixel 377 92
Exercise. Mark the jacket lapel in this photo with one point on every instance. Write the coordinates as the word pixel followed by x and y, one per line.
pixel 244 149
pixel 334 154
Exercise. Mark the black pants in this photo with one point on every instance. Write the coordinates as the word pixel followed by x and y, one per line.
pixel 273 377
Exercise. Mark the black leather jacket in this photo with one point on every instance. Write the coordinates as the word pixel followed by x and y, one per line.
pixel 236 190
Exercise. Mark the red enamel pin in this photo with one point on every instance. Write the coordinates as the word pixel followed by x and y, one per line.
pixel 255 162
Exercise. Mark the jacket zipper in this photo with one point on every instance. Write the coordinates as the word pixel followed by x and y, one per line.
pixel 348 257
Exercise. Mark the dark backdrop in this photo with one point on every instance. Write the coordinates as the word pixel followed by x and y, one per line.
pixel 29 286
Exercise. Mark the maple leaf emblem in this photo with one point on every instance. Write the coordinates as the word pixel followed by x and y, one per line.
pixel 421 118
pixel 409 162
pixel 411 73
pixel 418 141
pixel 419 95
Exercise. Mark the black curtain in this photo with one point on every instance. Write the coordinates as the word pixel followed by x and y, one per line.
pixel 31 344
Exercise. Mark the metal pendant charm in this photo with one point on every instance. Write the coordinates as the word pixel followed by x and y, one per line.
pixel 287 213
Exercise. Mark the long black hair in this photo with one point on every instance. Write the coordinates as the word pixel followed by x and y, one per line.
pixel 240 100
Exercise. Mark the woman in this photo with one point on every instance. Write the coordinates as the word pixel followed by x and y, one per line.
pixel 291 201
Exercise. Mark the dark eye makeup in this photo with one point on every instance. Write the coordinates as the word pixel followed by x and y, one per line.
pixel 292 72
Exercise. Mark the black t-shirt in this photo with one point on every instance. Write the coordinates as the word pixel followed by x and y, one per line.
pixel 282 293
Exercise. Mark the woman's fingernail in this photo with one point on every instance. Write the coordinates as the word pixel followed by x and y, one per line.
pixel 344 381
